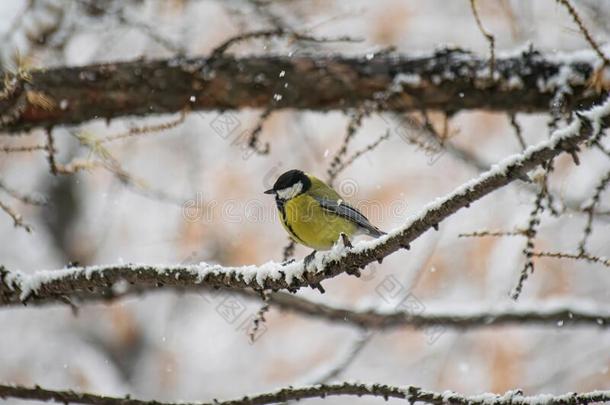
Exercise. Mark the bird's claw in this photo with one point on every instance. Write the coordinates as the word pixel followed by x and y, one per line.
pixel 346 241
pixel 309 258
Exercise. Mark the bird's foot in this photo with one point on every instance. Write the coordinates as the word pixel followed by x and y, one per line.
pixel 346 241
pixel 309 258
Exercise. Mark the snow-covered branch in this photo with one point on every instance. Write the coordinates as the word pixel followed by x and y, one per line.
pixel 62 284
pixel 449 80
pixel 411 393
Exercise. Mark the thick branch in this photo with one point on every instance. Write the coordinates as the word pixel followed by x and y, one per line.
pixel 62 284
pixel 448 80
pixel 411 393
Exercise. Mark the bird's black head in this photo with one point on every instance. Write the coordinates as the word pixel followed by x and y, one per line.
pixel 290 184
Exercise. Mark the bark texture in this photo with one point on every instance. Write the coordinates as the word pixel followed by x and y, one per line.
pixel 448 80
pixel 411 393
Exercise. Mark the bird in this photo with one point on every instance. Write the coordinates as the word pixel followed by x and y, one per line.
pixel 314 214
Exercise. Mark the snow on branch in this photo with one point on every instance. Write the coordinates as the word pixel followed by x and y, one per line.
pixel 411 393
pixel 448 79
pixel 62 284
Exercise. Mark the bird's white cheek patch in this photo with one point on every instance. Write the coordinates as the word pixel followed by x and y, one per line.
pixel 290 192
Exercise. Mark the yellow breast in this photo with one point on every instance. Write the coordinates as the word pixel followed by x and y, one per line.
pixel 311 225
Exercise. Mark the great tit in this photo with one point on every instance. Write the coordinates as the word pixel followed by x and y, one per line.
pixel 314 214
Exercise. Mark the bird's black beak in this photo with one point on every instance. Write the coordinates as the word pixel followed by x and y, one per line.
pixel 270 191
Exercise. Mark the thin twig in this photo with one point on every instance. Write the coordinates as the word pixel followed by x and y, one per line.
pixel 262 8
pixel 590 211
pixel 274 33
pixel 425 137
pixel 484 233
pixel 18 149
pixel 77 165
pixel 24 198
pixel 151 32
pixel 556 110
pixel 17 218
pixel 259 319
pixel 458 317
pixel 350 160
pixel 517 130
pixel 346 359
pixel 352 127
pixel 51 152
pixel 112 164
pixel 575 256
pixel 530 233
pixel 146 129
pixel 490 38
pixel 253 139
pixel 584 30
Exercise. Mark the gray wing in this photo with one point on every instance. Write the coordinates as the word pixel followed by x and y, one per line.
pixel 346 211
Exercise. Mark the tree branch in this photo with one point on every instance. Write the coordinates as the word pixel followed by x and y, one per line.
pixel 461 318
pixel 16 217
pixel 411 393
pixel 585 31
pixel 475 316
pixel 448 80
pixel 19 287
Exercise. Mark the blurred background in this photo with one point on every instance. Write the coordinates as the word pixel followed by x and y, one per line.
pixel 194 193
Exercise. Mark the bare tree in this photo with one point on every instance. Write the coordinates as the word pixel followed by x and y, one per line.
pixel 104 156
